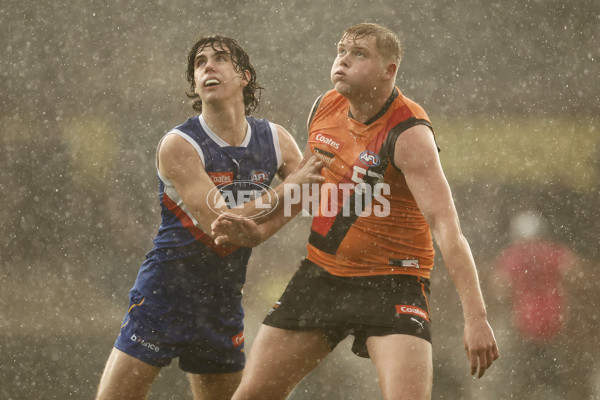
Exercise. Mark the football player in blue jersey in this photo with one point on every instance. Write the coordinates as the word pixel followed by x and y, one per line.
pixel 186 300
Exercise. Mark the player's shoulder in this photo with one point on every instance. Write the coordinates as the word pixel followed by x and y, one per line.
pixel 414 109
pixel 263 128
pixel 333 97
pixel 192 123
pixel 328 105
pixel 173 144
pixel 187 136
pixel 261 125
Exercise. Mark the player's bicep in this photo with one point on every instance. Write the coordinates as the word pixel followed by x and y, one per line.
pixel 181 164
pixel 417 157
pixel 291 156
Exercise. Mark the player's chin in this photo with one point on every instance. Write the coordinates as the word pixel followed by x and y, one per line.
pixel 342 87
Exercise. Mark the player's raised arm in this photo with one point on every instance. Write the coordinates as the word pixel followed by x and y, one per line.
pixel 249 233
pixel 181 164
pixel 291 156
pixel 417 157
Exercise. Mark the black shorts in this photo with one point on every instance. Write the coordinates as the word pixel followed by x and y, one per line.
pixel 359 306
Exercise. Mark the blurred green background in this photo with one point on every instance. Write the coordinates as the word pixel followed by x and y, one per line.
pixel 89 87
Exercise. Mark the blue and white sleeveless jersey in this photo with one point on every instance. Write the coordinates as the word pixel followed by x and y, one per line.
pixel 185 268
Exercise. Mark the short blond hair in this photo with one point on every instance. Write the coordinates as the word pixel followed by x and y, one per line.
pixel 387 42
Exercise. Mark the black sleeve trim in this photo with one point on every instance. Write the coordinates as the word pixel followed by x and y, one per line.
pixel 313 111
pixel 392 138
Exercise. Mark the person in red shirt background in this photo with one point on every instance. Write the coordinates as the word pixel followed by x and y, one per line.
pixel 533 267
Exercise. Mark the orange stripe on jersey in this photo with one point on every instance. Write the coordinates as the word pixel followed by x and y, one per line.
pixel 198 233
pixel 357 241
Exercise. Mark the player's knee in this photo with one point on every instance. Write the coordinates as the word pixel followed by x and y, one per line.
pixel 242 394
pixel 411 394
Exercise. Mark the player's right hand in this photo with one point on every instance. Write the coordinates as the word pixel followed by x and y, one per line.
pixel 228 230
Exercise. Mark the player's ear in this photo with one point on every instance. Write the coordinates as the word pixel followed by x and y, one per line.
pixel 245 78
pixel 390 71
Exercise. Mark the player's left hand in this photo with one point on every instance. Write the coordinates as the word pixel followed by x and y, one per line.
pixel 310 172
pixel 480 345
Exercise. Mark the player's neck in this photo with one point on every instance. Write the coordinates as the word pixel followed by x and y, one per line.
pixel 229 123
pixel 366 105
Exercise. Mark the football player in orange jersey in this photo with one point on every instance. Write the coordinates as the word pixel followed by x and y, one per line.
pixel 366 273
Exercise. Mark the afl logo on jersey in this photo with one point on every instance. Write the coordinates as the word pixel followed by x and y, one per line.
pixel 369 158
pixel 235 194
pixel 259 176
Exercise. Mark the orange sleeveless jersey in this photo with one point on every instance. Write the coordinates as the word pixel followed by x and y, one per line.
pixel 368 222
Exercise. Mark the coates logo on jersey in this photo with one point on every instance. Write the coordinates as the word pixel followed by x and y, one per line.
pixel 259 176
pixel 233 195
pixel 221 178
pixel 412 310
pixel 330 141
pixel 369 158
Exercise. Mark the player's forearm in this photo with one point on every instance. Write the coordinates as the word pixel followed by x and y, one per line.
pixel 272 225
pixel 461 267
pixel 245 232
pixel 286 197
pixel 264 209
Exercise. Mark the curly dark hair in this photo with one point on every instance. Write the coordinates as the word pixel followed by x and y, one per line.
pixel 241 62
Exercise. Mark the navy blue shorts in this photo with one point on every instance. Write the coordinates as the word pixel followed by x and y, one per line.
pixel 155 334
pixel 360 306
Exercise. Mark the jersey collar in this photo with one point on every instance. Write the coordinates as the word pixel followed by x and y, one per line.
pixel 383 110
